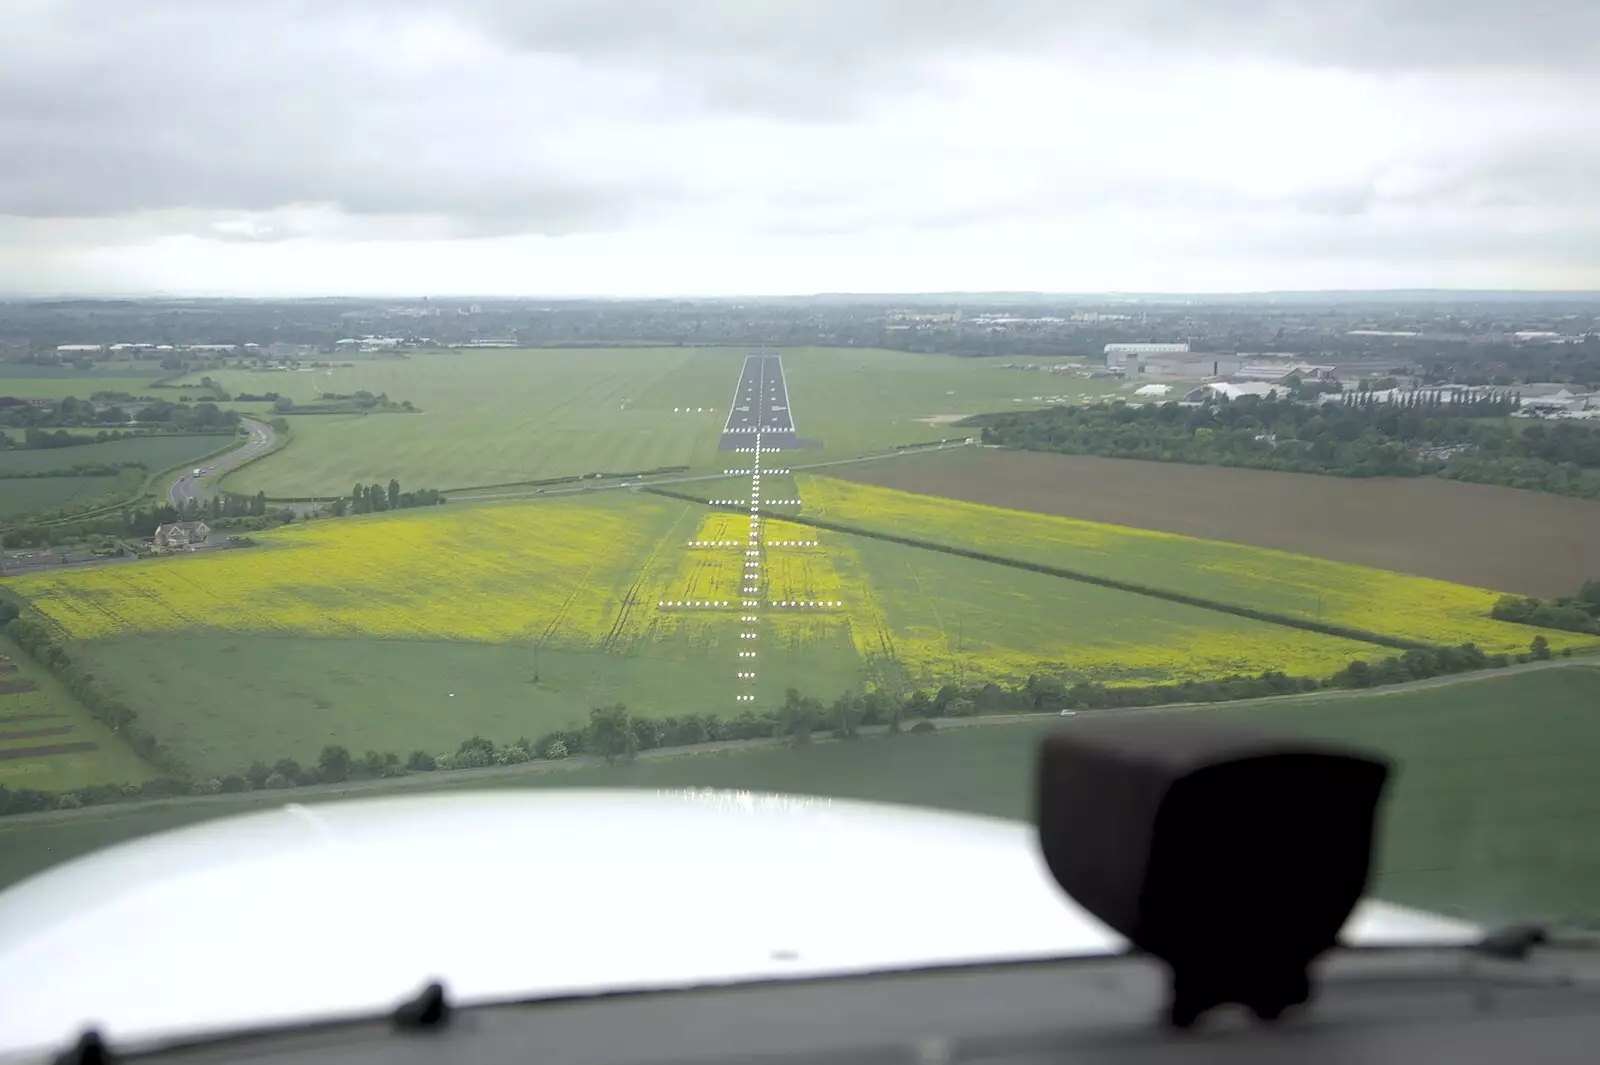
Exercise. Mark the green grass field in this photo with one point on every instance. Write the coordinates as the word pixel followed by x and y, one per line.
pixel 78 385
pixel 46 717
pixel 1489 816
pixel 493 417
pixel 222 701
pixel 156 452
pixel 35 494
pixel 1494 810
pixel 21 496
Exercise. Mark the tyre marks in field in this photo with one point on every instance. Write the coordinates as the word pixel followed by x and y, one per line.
pixel 619 634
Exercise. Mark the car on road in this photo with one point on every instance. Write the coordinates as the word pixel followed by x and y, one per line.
pixel 1069 713
pixel 197 473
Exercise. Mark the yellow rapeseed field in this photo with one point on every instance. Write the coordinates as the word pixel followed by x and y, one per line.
pixel 621 572
pixel 937 616
pixel 1300 586
pixel 492 573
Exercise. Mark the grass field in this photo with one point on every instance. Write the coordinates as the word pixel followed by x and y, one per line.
pixel 328 632
pixel 47 740
pixel 27 496
pixel 942 618
pixel 79 385
pixel 1489 816
pixel 1298 586
pixel 156 452
pixel 223 700
pixel 493 417
pixel 21 496
pixel 1431 527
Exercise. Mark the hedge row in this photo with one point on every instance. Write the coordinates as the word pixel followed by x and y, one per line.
pixel 36 639
pixel 612 733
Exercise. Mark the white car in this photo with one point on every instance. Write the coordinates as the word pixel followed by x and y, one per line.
pixel 1069 713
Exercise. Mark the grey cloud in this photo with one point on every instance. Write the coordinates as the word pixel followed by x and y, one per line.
pixel 193 109
pixel 109 109
pixel 848 36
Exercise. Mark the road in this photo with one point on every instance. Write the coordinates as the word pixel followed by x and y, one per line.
pixel 187 487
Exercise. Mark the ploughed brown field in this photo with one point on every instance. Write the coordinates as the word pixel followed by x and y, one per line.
pixel 1501 538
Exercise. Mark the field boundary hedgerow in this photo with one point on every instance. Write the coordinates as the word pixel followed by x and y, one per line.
pixel 1167 595
pixel 111 801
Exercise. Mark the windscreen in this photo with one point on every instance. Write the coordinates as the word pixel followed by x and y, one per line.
pixel 404 399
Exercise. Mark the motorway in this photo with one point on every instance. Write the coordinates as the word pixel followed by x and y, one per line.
pixel 187 487
pixel 760 406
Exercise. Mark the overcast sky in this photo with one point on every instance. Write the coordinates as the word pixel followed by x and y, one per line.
pixel 658 147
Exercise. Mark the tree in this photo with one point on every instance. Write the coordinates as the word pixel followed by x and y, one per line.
pixel 1540 648
pixel 609 734
pixel 845 716
pixel 1588 597
pixel 333 764
pixel 798 716
pixel 961 706
pixel 421 761
pixel 394 494
pixel 258 505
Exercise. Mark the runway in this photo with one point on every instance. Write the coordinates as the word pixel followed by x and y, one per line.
pixel 760 405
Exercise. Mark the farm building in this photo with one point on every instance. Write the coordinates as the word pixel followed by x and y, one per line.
pixel 180 534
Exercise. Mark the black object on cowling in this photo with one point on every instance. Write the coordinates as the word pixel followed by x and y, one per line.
pixel 430 1009
pixel 1232 855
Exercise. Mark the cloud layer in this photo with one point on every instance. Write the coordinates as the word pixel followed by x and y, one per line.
pixel 170 141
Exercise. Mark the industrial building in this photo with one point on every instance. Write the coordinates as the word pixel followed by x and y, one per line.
pixel 1167 360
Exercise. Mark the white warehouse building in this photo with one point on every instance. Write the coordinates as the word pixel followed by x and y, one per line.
pixel 1167 360
pixel 1144 358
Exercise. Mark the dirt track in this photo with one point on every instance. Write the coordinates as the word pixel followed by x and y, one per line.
pixel 1501 538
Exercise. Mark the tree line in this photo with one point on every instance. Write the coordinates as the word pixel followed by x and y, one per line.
pixel 36 439
pixel 1579 612
pixel 70 411
pixel 375 499
pixel 82 469
pixel 227 511
pixel 614 734
pixel 1429 435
